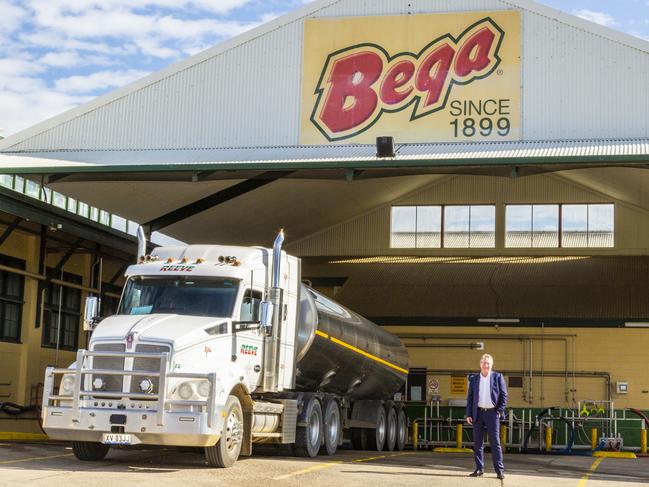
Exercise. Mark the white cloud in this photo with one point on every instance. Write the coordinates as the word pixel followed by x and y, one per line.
pixel 99 80
pixel 597 17
pixel 12 17
pixel 21 109
pixel 61 59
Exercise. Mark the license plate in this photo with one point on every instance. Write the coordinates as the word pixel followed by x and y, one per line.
pixel 117 439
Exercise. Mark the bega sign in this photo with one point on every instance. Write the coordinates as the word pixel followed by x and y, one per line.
pixel 362 83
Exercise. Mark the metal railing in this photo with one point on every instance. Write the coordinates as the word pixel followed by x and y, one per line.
pixel 160 397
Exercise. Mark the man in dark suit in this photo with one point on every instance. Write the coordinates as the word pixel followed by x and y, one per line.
pixel 485 405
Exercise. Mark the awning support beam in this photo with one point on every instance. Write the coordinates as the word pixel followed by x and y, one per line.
pixel 10 229
pixel 213 200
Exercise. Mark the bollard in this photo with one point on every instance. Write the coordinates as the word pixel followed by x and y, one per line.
pixel 458 436
pixel 503 436
pixel 593 439
pixel 415 435
pixel 548 439
pixel 643 441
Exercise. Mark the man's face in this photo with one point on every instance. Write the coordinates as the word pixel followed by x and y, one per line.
pixel 485 365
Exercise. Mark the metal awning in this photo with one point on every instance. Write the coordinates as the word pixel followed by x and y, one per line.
pixel 308 160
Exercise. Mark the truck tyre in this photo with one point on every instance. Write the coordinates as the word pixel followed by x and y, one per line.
pixel 89 451
pixel 376 436
pixel 402 430
pixel 227 449
pixel 308 438
pixel 359 438
pixel 332 427
pixel 391 436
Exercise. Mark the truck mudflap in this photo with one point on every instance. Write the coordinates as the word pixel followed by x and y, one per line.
pixel 148 418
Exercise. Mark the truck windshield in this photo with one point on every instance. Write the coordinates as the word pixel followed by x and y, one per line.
pixel 179 295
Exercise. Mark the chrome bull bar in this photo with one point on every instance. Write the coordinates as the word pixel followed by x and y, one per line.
pixel 160 397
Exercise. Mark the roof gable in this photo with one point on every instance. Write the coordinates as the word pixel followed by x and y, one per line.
pixel 213 99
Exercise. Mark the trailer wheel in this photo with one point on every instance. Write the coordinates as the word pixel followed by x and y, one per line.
pixel 89 451
pixel 308 438
pixel 331 428
pixel 376 436
pixel 391 437
pixel 402 430
pixel 227 449
pixel 359 438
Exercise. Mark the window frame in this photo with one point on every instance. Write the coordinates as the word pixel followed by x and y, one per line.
pixel 51 308
pixel 442 225
pixel 6 299
pixel 532 231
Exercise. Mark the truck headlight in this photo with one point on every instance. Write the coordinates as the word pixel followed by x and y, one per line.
pixel 67 385
pixel 186 390
pixel 203 388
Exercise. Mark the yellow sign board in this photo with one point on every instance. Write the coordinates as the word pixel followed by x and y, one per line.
pixel 458 384
pixel 452 77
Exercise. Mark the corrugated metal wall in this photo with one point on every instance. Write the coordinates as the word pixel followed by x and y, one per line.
pixel 576 84
pixel 543 287
pixel 369 234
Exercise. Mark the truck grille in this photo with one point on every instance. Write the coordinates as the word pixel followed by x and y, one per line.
pixel 151 364
pixel 121 383
pixel 113 383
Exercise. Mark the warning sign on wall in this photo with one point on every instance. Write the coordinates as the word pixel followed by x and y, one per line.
pixel 458 384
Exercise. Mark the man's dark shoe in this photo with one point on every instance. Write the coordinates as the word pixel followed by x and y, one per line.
pixel 477 473
pixel 500 475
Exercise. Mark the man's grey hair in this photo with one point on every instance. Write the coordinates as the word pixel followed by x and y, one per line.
pixel 487 356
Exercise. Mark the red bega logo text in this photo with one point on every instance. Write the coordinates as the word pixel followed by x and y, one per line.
pixel 361 82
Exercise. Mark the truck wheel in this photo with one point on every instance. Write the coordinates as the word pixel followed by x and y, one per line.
pixel 89 451
pixel 331 427
pixel 227 449
pixel 391 437
pixel 309 437
pixel 402 430
pixel 376 436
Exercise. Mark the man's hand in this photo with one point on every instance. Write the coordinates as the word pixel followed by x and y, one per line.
pixel 469 419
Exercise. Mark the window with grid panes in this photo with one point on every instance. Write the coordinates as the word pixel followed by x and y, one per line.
pixel 12 288
pixel 62 313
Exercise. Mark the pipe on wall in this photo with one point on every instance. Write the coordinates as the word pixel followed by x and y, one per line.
pixel 526 341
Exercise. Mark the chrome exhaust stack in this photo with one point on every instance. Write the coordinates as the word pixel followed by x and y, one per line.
pixel 277 257
pixel 141 244
pixel 272 333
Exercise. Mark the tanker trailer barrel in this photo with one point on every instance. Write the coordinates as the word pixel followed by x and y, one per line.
pixel 339 351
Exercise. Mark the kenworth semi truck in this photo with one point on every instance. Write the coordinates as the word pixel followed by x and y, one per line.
pixel 222 347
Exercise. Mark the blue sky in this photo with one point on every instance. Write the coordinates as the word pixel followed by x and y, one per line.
pixel 57 54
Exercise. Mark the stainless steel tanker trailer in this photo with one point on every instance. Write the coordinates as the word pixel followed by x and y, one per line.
pixel 223 347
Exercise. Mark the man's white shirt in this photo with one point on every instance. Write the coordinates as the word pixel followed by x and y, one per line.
pixel 484 395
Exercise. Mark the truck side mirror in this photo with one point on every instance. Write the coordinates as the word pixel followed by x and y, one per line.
pixel 266 311
pixel 91 313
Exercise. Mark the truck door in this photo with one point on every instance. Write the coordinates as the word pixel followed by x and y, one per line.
pixel 249 342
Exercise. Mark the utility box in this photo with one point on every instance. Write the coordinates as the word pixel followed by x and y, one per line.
pixel 622 387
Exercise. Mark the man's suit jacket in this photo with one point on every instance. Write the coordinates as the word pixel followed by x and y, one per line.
pixel 498 394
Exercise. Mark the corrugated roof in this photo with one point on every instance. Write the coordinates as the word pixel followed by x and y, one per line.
pixel 164 124
pixel 332 156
